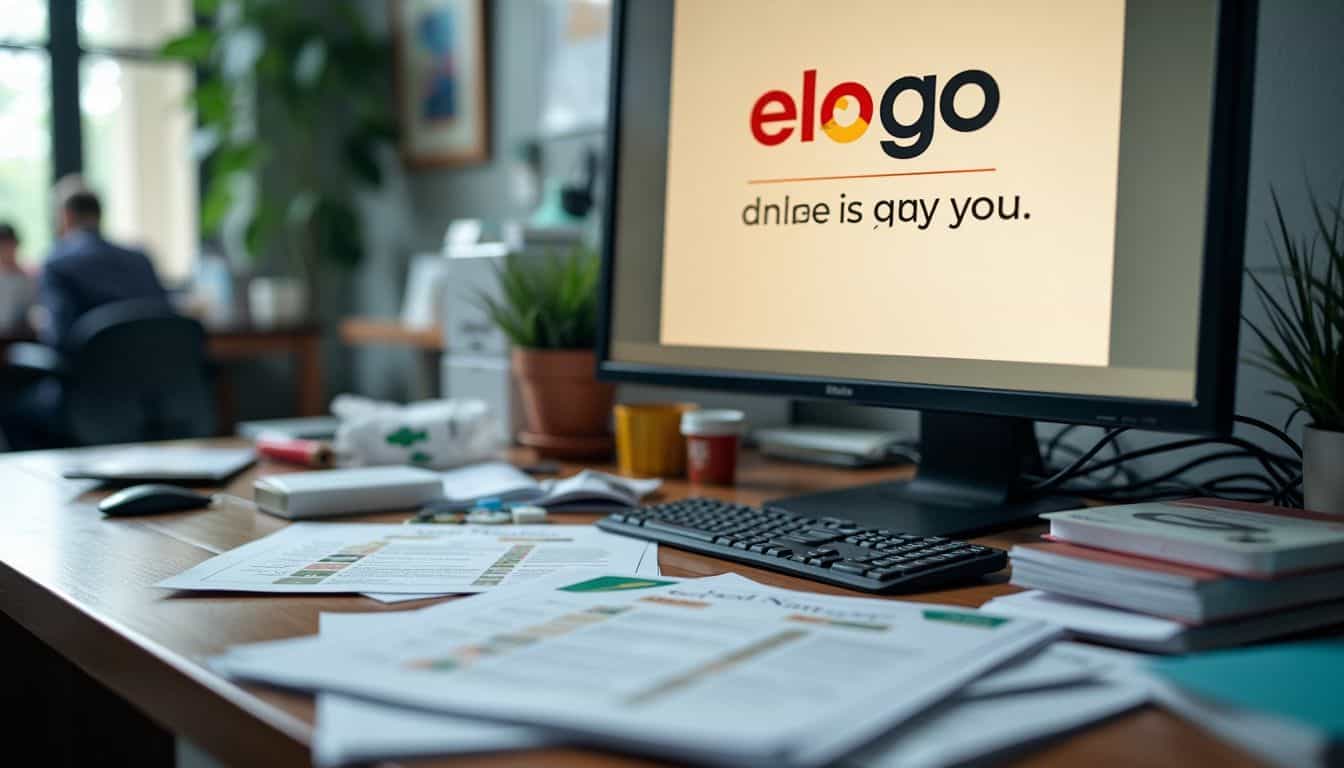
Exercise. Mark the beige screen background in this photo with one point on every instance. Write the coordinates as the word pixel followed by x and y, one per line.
pixel 1035 289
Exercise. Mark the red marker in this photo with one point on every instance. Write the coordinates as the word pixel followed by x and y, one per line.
pixel 309 453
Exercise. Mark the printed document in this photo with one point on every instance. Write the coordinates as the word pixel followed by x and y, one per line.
pixel 648 566
pixel 718 670
pixel 1062 688
pixel 409 559
pixel 351 730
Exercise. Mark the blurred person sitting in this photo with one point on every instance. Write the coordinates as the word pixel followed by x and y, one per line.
pixel 16 285
pixel 84 271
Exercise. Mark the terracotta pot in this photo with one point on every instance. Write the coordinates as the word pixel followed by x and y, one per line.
pixel 567 410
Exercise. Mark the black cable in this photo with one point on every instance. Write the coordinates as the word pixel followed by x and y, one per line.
pixel 1066 473
pixel 1273 430
pixel 1282 473
pixel 1170 474
pixel 1266 458
pixel 1056 442
pixel 1116 472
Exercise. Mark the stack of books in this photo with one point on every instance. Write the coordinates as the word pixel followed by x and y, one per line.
pixel 1183 576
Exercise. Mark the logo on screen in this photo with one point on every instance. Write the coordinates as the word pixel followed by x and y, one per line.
pixel 846 111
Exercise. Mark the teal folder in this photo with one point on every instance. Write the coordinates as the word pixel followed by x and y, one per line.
pixel 1301 682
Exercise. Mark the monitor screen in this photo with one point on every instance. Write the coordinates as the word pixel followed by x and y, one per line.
pixel 1008 197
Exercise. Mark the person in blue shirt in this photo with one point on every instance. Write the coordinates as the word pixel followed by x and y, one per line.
pixel 83 272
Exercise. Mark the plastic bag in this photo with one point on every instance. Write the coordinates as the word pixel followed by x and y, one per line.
pixel 432 433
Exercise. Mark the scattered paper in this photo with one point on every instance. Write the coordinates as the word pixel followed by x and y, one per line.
pixel 1087 618
pixel 705 669
pixel 408 559
pixel 503 481
pixel 351 730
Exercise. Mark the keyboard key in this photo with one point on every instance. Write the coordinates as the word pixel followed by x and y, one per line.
pixel 680 530
pixel 848 566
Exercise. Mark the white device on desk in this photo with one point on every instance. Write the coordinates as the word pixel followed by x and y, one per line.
pixel 327 493
pixel 837 446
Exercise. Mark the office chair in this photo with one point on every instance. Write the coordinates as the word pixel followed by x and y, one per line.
pixel 133 372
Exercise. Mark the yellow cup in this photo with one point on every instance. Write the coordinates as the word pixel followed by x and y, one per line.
pixel 649 442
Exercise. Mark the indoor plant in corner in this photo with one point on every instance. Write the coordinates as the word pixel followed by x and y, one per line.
pixel 1303 342
pixel 547 307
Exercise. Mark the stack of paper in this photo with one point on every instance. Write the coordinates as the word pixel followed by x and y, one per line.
pixel 1179 576
pixel 718 670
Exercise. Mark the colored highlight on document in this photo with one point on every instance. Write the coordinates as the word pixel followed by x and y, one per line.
pixel 316 573
pixel 614 584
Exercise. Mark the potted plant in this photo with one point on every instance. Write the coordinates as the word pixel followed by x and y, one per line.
pixel 1303 343
pixel 548 310
pixel 292 114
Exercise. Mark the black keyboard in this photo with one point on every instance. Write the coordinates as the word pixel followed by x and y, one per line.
pixel 830 549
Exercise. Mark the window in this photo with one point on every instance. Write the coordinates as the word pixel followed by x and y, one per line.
pixel 126 126
pixel 25 153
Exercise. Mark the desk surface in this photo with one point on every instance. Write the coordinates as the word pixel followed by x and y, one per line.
pixel 83 585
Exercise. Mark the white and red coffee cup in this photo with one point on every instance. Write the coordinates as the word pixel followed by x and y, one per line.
pixel 713 439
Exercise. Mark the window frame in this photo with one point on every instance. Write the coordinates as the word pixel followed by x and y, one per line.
pixel 65 52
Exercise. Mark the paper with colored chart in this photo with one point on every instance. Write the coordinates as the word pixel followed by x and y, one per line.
pixel 718 670
pixel 648 566
pixel 1062 688
pixel 409 559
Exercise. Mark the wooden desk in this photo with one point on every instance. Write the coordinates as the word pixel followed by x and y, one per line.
pixel 82 585
pixel 426 343
pixel 303 344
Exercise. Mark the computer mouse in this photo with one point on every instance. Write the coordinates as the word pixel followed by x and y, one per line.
pixel 151 499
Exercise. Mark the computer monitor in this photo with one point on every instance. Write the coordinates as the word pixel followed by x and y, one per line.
pixel 990 212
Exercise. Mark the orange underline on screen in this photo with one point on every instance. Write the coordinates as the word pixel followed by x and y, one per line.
pixel 872 175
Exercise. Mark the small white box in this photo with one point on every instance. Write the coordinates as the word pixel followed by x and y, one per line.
pixel 331 492
pixel 489 379
pixel 469 329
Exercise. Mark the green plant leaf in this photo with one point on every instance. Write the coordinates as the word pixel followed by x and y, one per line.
pixel 546 302
pixel 236 158
pixel 213 102
pixel 195 46
pixel 216 204
pixel 1302 341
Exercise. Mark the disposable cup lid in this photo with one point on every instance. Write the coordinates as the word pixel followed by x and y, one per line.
pixel 713 422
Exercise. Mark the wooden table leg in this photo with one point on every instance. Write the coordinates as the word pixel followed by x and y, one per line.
pixel 308 370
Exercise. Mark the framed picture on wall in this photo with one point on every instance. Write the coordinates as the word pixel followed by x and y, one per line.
pixel 442 81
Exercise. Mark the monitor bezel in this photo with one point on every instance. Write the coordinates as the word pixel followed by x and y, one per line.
pixel 1211 410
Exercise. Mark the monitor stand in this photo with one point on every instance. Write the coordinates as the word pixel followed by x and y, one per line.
pixel 970 480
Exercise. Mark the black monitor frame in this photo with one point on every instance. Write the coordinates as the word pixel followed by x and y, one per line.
pixel 1220 296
